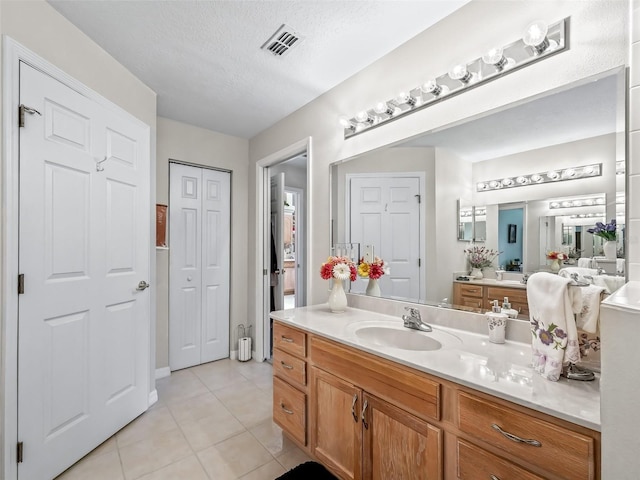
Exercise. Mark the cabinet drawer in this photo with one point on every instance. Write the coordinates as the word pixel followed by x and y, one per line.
pixel 471 290
pixel 567 454
pixel 290 410
pixel 289 339
pixel 516 295
pixel 474 463
pixel 289 368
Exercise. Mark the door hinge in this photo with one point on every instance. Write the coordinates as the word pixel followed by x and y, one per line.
pixel 19 452
pixel 21 284
pixel 419 262
pixel 264 271
pixel 22 109
pixel 419 197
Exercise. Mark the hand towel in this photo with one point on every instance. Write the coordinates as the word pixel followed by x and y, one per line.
pixel 552 305
pixel 589 315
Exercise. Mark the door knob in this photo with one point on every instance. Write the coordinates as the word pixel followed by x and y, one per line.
pixel 189 279
pixel 143 285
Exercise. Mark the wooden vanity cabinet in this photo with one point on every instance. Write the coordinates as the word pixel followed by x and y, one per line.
pixel 468 296
pixel 479 298
pixel 517 298
pixel 372 418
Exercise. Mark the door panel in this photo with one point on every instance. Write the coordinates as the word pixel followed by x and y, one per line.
pixel 385 213
pixel 84 246
pixel 200 226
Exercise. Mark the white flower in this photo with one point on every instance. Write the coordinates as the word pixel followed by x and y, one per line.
pixel 341 271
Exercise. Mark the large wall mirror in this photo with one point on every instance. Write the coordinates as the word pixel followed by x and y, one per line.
pixel 420 203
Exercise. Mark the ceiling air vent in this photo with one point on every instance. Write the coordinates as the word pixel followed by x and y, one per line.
pixel 282 41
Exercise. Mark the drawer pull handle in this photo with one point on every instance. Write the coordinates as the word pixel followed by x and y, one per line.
pixel 515 438
pixel 284 365
pixel 353 407
pixel 285 409
pixel 364 409
pixel 493 477
pixel 287 339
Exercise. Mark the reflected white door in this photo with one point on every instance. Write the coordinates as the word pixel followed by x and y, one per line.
pixel 84 246
pixel 277 230
pixel 385 213
pixel 199 241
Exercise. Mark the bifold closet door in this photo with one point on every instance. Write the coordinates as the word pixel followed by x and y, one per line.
pixel 199 242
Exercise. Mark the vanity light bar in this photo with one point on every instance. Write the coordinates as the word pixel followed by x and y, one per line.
pixel 551 176
pixel 578 202
pixel 534 46
pixel 620 167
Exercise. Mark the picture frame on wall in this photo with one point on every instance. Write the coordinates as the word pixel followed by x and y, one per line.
pixel 512 233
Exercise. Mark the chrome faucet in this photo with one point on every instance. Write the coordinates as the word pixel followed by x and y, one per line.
pixel 525 278
pixel 414 321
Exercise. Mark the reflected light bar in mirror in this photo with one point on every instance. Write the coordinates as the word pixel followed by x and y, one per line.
pixel 578 202
pixel 538 42
pixel 567 174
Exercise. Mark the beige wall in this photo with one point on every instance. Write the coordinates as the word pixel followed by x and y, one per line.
pixel 38 27
pixel 599 42
pixel 179 141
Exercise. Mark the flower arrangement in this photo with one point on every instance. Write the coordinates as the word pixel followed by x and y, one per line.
pixel 608 231
pixel 341 268
pixel 480 257
pixel 373 270
pixel 553 255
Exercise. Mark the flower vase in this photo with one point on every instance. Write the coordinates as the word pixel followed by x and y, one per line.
pixel 610 247
pixel 373 289
pixel 476 273
pixel 337 298
pixel 555 265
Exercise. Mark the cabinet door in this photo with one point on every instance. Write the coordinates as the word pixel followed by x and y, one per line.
pixel 335 424
pixel 397 444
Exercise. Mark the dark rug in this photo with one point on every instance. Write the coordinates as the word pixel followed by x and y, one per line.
pixel 308 471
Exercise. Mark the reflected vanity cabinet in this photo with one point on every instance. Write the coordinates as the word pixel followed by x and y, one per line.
pixel 367 417
pixel 478 298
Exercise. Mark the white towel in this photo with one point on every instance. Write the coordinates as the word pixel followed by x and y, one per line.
pixel 589 315
pixel 552 305
pixel 568 271
pixel 584 262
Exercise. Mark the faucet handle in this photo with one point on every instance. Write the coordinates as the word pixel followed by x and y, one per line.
pixel 414 312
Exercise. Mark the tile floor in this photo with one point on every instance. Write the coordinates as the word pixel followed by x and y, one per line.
pixel 211 422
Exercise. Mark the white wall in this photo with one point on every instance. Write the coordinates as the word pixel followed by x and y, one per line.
pixel 179 141
pixel 38 27
pixel 598 43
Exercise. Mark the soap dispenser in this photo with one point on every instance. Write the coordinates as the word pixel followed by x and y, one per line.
pixel 506 308
pixel 497 322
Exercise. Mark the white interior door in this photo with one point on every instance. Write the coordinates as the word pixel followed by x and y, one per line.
pixel 199 227
pixel 277 227
pixel 385 213
pixel 84 246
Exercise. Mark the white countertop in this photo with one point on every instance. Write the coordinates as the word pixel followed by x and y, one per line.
pixel 469 359
pixel 494 283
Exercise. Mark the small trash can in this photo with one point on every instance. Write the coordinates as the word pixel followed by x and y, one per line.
pixel 244 343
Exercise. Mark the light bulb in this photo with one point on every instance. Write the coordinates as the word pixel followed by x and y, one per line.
pixel 345 122
pixel 536 178
pixel 522 180
pixel 600 201
pixel 554 205
pixel 588 170
pixel 535 36
pixel 496 58
pixel 588 202
pixel 364 117
pixel 494 184
pixel 384 108
pixel 481 186
pixel 507 182
pixel 577 203
pixel 553 175
pixel 460 72
pixel 569 172
pixel 430 86
pixel 404 97
pixel 566 204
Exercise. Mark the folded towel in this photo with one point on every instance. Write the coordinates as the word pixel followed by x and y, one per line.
pixel 589 315
pixel 552 305
pixel 608 282
pixel 620 266
pixel 581 272
pixel 584 262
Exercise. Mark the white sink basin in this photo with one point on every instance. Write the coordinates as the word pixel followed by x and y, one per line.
pixel 404 338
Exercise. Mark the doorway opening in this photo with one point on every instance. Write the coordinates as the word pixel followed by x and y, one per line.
pixel 284 174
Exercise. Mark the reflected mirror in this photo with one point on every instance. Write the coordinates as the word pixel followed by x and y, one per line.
pixel 526 180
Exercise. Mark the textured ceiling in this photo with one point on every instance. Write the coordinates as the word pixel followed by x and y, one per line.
pixel 582 112
pixel 203 58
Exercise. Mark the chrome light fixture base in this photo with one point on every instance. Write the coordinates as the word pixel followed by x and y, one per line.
pixel 517 55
